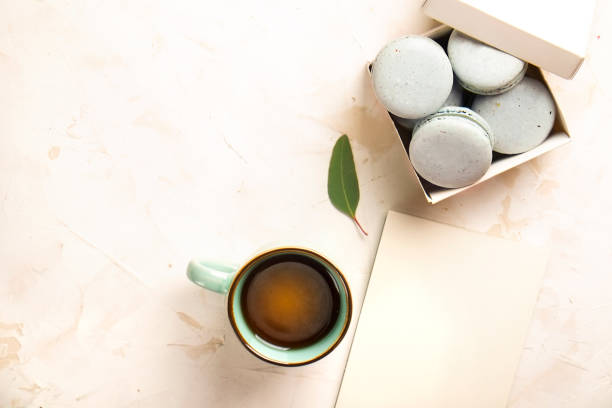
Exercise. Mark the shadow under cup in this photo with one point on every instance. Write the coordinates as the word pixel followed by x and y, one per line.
pixel 282 355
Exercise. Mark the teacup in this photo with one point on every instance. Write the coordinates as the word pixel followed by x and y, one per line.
pixel 279 295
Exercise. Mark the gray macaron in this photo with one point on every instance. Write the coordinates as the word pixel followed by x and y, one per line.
pixel 483 69
pixel 455 98
pixel 412 76
pixel 520 118
pixel 452 147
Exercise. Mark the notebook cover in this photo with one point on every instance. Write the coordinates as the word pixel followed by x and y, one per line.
pixel 444 318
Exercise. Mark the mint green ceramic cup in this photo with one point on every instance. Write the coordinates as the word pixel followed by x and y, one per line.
pixel 229 280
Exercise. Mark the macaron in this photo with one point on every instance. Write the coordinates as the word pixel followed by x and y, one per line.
pixel 520 118
pixel 455 98
pixel 412 76
pixel 452 147
pixel 483 69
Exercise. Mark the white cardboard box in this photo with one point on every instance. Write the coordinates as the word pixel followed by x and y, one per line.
pixel 559 136
pixel 550 34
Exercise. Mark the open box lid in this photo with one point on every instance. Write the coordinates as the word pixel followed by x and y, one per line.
pixel 550 34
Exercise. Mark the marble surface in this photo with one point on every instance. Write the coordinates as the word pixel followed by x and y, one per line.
pixel 134 135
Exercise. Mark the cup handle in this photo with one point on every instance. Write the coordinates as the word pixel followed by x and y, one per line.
pixel 211 275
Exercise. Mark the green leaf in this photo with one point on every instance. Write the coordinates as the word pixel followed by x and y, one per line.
pixel 342 183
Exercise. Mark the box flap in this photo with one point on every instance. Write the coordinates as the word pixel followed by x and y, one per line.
pixel 551 34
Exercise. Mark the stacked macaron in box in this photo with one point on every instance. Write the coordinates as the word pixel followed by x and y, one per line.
pixel 465 111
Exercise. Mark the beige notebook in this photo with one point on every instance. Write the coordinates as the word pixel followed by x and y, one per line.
pixel 444 318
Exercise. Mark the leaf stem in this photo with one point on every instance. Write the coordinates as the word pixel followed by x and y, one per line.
pixel 360 227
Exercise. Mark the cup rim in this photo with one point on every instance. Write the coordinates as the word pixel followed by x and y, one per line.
pixel 230 307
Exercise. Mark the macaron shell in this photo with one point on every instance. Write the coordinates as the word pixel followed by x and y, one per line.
pixel 455 98
pixel 412 76
pixel 521 118
pixel 450 150
pixel 468 113
pixel 483 69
